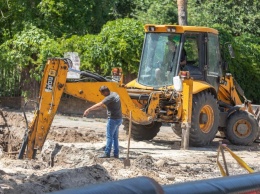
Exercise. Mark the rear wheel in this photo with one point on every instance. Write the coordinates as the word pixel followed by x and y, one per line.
pixel 205 118
pixel 142 132
pixel 242 128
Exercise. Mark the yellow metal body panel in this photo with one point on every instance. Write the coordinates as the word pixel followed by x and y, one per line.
pixel 179 29
pixel 187 97
pixel 51 89
pixel 227 92
pixel 54 84
pixel 188 85
pixel 198 86
pixel 90 91
pixel 135 84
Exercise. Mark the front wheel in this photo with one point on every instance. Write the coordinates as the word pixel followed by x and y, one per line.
pixel 242 128
pixel 205 119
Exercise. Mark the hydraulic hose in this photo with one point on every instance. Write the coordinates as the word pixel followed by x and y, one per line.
pixel 25 138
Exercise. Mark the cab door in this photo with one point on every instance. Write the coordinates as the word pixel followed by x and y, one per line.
pixel 195 48
pixel 213 67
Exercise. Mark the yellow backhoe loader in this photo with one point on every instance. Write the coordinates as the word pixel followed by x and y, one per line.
pixel 180 82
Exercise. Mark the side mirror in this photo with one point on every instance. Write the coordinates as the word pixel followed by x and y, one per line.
pixel 225 66
pixel 231 51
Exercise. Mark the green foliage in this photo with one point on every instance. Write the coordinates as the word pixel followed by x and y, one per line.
pixel 123 8
pixel 156 12
pixel 246 66
pixel 74 17
pixel 238 23
pixel 118 44
pixel 236 16
pixel 15 14
pixel 23 50
pixel 34 30
pixel 57 18
pixel 122 44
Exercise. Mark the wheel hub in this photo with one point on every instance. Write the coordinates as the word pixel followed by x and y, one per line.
pixel 206 118
pixel 203 118
pixel 242 128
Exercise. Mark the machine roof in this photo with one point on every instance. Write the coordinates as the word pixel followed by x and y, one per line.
pixel 178 29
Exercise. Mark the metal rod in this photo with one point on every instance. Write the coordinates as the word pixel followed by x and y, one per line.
pixel 224 158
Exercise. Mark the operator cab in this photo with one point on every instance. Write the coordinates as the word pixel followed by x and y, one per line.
pixel 159 59
pixel 168 50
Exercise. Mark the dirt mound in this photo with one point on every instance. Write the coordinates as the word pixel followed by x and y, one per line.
pixel 144 162
pixel 69 158
pixel 11 119
pixel 71 135
pixel 12 127
pixel 66 156
pixel 54 181
pixel 25 164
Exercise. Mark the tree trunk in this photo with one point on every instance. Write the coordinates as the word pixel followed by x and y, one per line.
pixel 182 12
pixel 29 85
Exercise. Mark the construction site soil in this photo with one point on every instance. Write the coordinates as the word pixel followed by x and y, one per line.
pixel 69 158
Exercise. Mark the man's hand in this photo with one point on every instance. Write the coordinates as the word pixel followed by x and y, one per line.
pixel 94 107
pixel 86 113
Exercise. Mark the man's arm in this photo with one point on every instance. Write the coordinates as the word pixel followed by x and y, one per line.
pixel 94 107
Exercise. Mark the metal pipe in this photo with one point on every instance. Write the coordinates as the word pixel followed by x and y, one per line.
pixel 142 185
pixel 223 157
pixel 231 184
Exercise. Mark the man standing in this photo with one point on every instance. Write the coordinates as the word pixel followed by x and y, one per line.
pixel 114 112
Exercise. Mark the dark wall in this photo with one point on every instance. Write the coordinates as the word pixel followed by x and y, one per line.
pixel 68 106
pixel 77 106
pixel 11 102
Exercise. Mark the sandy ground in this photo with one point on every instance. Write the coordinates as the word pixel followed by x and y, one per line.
pixel 69 157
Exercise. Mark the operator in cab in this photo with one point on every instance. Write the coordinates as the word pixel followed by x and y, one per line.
pixel 114 112
pixel 168 60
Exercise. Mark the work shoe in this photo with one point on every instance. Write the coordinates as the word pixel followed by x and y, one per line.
pixel 103 148
pixel 116 156
pixel 104 156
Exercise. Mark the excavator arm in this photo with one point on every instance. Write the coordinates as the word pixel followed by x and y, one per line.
pixel 228 95
pixel 51 90
pixel 54 84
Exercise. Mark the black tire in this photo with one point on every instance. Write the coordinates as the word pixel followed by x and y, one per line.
pixel 176 127
pixel 242 128
pixel 142 132
pixel 205 119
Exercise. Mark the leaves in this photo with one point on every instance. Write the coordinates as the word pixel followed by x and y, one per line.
pixel 105 34
pixel 236 16
pixel 24 48
pixel 156 12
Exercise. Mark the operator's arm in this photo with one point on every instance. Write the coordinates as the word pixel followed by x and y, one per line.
pixel 94 107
